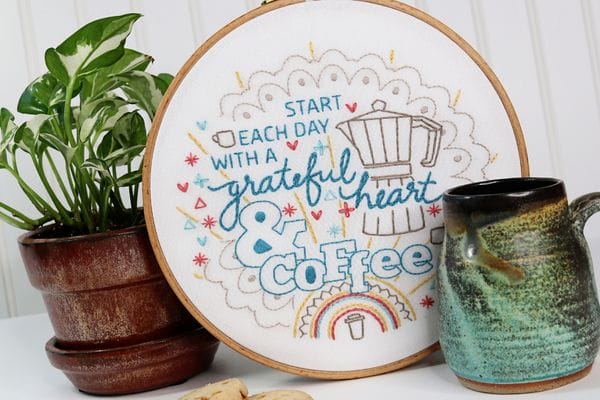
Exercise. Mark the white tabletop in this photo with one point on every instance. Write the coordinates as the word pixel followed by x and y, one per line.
pixel 25 373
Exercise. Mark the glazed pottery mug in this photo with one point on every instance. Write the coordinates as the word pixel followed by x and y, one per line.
pixel 518 306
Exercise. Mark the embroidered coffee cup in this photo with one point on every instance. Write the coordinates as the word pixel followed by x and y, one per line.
pixel 224 139
pixel 519 310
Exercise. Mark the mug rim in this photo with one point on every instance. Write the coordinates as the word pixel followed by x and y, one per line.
pixel 523 186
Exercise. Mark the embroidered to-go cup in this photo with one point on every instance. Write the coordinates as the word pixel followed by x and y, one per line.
pixel 519 310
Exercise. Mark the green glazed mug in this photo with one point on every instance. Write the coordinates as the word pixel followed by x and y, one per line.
pixel 518 305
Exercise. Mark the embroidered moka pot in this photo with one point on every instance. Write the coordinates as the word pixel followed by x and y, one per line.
pixel 383 140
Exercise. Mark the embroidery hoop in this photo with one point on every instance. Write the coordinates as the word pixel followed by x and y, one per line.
pixel 175 284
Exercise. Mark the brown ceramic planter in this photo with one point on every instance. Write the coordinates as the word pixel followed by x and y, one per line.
pixel 119 328
pixel 103 289
pixel 138 368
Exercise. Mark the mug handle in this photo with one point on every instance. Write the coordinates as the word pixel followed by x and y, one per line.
pixel 582 208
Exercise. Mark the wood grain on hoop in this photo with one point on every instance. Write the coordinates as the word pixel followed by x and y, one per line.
pixel 524 166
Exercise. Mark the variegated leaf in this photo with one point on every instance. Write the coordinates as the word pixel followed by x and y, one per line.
pixel 26 137
pixel 67 151
pixel 103 80
pixel 129 179
pixel 41 94
pixel 97 165
pixel 96 45
pixel 123 156
pixel 144 89
pixel 7 132
pixel 99 116
pixel 130 130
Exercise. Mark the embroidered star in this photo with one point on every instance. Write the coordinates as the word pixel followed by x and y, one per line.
pixel 191 159
pixel 289 210
pixel 334 230
pixel 346 210
pixel 320 148
pixel 200 181
pixel 209 222
pixel 434 210
pixel 200 260
pixel 427 302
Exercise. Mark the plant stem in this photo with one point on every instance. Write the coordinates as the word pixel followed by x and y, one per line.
pixel 67 114
pixel 40 204
pixel 65 218
pixel 59 179
pixel 117 191
pixel 76 205
pixel 56 125
pixel 82 179
pixel 16 223
pixel 136 192
pixel 27 224
pixel 17 214
pixel 86 207
pixel 104 208
pixel 77 183
pixel 94 191
pixel 132 197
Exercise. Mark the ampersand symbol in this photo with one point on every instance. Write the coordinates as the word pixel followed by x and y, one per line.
pixel 262 238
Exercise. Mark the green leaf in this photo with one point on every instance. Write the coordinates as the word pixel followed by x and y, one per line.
pixel 167 78
pixel 104 79
pixel 130 179
pixel 97 165
pixel 41 94
pixel 144 89
pixel 123 156
pixel 130 130
pixel 8 129
pixel 3 159
pixel 67 151
pixel 98 44
pixel 99 115
pixel 107 146
pixel 130 61
pixel 91 108
pixel 24 139
pixel 95 123
pixel 7 122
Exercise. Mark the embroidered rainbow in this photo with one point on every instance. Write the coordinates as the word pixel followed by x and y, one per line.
pixel 333 311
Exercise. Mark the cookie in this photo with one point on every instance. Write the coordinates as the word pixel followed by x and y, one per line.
pixel 281 395
pixel 230 389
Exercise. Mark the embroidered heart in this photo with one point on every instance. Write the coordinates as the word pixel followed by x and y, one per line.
pixel 200 203
pixel 316 214
pixel 183 187
pixel 202 240
pixel 202 125
pixel 351 107
pixel 292 145
pixel 261 246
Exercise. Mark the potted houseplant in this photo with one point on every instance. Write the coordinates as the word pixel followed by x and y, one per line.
pixel 118 326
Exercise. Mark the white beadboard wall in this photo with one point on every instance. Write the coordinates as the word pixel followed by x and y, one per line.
pixel 546 53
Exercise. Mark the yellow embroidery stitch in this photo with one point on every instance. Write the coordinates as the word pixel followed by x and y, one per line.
pixel 456 98
pixel 187 215
pixel 197 143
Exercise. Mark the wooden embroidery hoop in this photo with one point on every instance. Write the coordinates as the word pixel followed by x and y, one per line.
pixel 198 54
